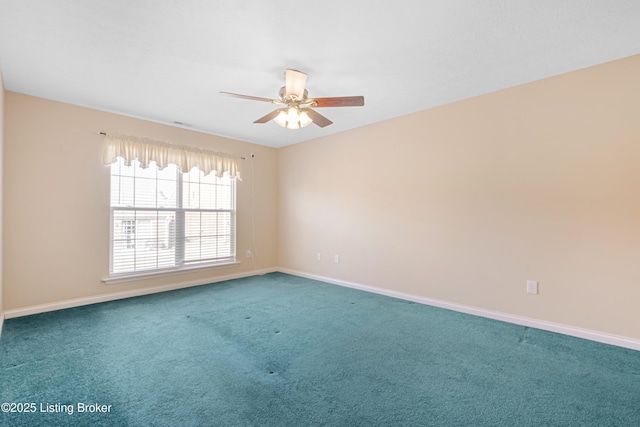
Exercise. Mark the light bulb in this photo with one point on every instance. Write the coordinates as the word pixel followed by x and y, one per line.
pixel 292 115
pixel 305 120
pixel 281 118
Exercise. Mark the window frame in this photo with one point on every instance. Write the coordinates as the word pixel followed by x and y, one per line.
pixel 181 264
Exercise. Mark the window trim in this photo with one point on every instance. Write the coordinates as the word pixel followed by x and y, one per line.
pixel 151 274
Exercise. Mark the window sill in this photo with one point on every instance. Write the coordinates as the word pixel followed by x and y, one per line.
pixel 130 277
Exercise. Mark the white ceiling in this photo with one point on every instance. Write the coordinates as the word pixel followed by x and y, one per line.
pixel 167 60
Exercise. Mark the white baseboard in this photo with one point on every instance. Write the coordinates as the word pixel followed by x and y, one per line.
pixel 76 302
pixel 505 317
pixel 496 315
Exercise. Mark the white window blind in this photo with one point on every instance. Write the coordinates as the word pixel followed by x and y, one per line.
pixel 166 219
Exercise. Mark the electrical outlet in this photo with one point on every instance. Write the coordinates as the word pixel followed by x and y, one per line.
pixel 336 259
pixel 532 287
pixel 318 256
pixel 249 254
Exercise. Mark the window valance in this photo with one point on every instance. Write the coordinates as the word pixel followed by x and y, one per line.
pixel 146 150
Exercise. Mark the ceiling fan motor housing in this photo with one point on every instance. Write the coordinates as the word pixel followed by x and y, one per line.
pixel 291 97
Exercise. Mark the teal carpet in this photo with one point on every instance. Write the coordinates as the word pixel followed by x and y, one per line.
pixel 278 350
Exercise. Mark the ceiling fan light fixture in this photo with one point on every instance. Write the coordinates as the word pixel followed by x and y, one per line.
pixel 292 118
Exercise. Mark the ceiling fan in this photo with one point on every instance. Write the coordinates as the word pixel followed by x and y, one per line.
pixel 296 111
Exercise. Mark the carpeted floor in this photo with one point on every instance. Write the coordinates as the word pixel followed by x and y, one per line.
pixel 279 350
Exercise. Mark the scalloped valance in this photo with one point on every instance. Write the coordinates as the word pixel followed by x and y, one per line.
pixel 146 150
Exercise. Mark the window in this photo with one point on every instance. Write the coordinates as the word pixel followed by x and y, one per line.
pixel 129 230
pixel 168 220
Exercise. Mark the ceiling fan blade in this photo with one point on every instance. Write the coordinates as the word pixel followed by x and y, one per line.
pixel 317 118
pixel 272 115
pixel 252 98
pixel 295 82
pixel 339 101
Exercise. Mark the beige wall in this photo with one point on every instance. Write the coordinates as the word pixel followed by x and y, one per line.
pixel 465 202
pixel 461 203
pixel 56 200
